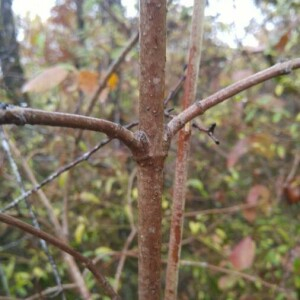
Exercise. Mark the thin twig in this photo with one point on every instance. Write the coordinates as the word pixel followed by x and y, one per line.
pixel 112 68
pixel 72 266
pixel 45 201
pixel 50 291
pixel 200 106
pixel 61 170
pixel 176 89
pixel 224 210
pixel 132 233
pixel 32 214
pixel 293 169
pixel 245 276
pixel 129 198
pixel 210 131
pixel 64 247
pixel 123 257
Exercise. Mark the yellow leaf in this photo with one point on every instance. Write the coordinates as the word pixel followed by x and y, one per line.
pixel 46 80
pixel 113 81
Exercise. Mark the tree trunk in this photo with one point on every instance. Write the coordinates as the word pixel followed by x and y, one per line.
pixel 150 162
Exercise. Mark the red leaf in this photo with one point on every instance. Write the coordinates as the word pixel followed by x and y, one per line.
pixel 226 282
pixel 257 194
pixel 239 149
pixel 242 255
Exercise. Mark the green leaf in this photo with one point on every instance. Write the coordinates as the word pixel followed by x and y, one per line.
pixel 198 185
pixel 102 251
pixel 79 232
pixel 197 227
pixel 89 197
pixel 62 179
pixel 279 90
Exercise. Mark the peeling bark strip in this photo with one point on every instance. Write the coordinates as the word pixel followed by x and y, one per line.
pixel 150 163
pixel 190 90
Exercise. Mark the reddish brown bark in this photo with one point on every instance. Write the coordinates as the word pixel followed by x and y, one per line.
pixel 190 88
pixel 150 163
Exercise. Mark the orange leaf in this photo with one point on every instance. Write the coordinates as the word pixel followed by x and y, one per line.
pixel 88 81
pixel 283 41
pixel 242 255
pixel 46 80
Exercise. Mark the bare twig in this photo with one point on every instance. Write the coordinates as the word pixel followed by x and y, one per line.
pixel 293 170
pixel 61 170
pixel 64 247
pixel 45 201
pixel 132 234
pixel 112 68
pixel 50 291
pixel 32 214
pixel 210 131
pixel 120 23
pixel 129 198
pixel 73 269
pixel 121 263
pixel 200 106
pixel 176 89
pixel 224 210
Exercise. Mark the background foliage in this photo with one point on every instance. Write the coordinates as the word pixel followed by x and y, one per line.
pixel 242 210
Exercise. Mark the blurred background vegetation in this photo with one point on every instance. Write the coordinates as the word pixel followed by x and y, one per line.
pixel 245 191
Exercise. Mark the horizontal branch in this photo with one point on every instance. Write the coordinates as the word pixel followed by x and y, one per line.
pixel 49 291
pixel 223 210
pixel 199 107
pixel 10 114
pixel 245 276
pixel 64 247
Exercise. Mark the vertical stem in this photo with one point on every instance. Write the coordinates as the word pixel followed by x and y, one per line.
pixel 150 164
pixel 149 238
pixel 190 88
